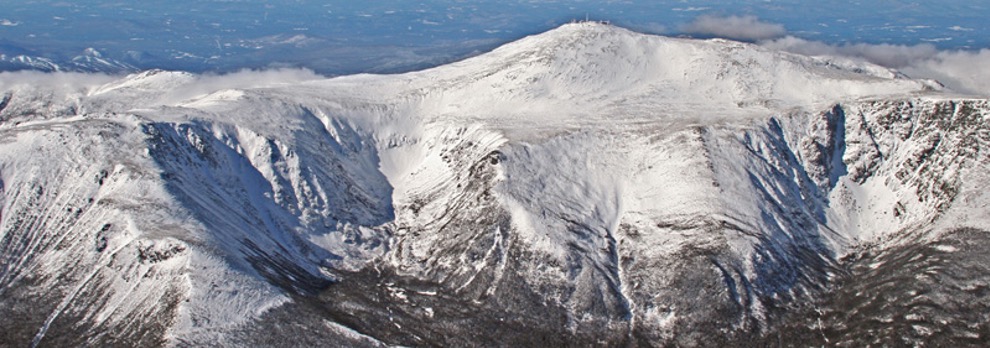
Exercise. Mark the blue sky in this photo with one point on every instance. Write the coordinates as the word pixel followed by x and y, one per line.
pixel 341 37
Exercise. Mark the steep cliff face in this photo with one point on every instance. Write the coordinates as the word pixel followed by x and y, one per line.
pixel 90 246
pixel 584 186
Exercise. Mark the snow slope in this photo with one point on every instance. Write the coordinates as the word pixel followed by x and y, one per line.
pixel 588 184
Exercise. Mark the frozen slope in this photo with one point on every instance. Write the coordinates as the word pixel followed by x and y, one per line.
pixel 588 185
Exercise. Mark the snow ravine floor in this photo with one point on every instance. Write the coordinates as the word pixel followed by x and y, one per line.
pixel 584 186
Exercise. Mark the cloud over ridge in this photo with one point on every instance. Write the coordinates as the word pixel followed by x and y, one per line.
pixel 734 27
pixel 959 70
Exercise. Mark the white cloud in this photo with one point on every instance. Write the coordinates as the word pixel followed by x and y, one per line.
pixel 891 56
pixel 71 86
pixel 202 84
pixel 734 27
pixel 961 71
pixel 650 28
pixel 58 82
pixel 690 9
pixel 256 78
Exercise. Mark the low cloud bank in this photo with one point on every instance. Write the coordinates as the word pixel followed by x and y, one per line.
pixel 962 71
pixel 61 81
pixel 240 79
pixel 245 79
pixel 734 27
pixel 68 85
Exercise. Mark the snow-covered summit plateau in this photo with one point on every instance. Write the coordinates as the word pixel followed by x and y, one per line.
pixel 584 186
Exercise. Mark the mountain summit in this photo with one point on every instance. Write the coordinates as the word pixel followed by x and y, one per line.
pixel 585 186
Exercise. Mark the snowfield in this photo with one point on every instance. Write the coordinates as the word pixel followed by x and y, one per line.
pixel 585 186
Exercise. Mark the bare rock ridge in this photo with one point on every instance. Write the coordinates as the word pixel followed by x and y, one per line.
pixel 585 186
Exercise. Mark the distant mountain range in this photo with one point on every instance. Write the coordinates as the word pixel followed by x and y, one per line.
pixel 89 61
pixel 587 186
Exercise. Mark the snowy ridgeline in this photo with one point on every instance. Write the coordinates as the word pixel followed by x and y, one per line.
pixel 585 183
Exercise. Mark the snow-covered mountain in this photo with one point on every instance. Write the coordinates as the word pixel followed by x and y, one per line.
pixel 89 61
pixel 585 186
